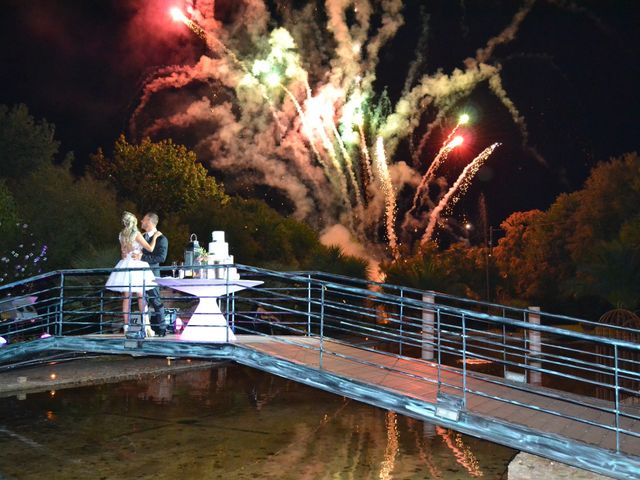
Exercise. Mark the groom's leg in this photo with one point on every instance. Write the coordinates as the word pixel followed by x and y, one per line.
pixel 157 317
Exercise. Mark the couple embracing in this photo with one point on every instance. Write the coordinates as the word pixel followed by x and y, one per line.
pixel 145 251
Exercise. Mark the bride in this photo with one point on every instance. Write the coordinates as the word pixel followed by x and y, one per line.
pixel 132 281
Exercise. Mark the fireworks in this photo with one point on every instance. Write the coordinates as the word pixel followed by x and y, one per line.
pixel 177 16
pixel 389 195
pixel 460 185
pixel 296 111
pixel 422 191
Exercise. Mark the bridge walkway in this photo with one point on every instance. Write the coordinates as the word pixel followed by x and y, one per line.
pixel 520 404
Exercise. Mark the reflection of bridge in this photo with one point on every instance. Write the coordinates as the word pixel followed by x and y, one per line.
pixel 521 378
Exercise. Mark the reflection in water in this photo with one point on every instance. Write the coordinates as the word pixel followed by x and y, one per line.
pixel 423 442
pixel 463 454
pixel 160 389
pixel 20 438
pixel 392 447
pixel 228 423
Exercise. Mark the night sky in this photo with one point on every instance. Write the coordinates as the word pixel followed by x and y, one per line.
pixel 572 71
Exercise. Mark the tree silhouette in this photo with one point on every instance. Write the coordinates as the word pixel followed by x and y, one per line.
pixel 157 176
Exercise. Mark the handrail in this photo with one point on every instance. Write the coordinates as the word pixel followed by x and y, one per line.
pixel 480 303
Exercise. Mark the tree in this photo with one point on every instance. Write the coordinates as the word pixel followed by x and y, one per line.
pixel 602 234
pixel 532 259
pixel 24 143
pixel 22 255
pixel 612 270
pixel 9 219
pixel 465 270
pixel 609 200
pixel 575 250
pixel 258 235
pixel 163 177
pixel 333 260
pixel 73 217
pixel 423 271
pixel 25 258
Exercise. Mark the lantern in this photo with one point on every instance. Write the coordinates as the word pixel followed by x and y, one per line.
pixel 190 253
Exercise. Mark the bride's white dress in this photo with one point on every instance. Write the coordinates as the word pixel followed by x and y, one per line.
pixel 135 281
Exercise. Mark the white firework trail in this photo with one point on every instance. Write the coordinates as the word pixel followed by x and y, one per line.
pixel 389 195
pixel 460 184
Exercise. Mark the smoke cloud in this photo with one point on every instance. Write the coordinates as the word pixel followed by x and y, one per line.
pixel 310 123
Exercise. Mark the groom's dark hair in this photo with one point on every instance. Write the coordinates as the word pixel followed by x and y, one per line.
pixel 153 216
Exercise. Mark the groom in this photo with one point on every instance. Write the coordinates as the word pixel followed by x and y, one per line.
pixel 154 259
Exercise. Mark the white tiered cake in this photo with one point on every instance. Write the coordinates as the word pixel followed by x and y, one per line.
pixel 219 255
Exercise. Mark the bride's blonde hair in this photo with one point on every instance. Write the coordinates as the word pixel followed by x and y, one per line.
pixel 130 230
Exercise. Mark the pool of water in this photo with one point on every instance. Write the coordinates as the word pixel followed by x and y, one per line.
pixel 228 422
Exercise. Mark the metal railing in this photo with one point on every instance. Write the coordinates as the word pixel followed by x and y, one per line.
pixel 465 340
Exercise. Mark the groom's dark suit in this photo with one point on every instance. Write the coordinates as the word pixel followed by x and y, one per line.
pixel 154 258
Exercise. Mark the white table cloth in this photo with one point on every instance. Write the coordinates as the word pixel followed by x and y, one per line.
pixel 208 323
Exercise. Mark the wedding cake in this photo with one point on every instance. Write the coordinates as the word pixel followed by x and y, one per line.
pixel 219 255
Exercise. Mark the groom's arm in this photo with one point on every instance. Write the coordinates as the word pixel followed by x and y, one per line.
pixel 159 254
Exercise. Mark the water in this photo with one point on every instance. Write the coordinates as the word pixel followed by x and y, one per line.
pixel 229 422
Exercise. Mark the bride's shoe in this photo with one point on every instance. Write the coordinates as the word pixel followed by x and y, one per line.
pixel 148 331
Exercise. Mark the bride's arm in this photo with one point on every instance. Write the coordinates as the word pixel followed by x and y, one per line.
pixel 147 245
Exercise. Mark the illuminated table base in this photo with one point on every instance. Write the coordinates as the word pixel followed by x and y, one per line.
pixel 208 323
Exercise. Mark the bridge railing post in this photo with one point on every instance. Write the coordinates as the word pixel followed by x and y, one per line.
pixel 100 329
pixel 322 290
pixel 58 329
pixel 617 395
pixel 535 348
pixel 438 348
pixel 308 305
pixel 233 315
pixel 464 360
pixel 504 350
pixel 401 320
pixel 229 307
pixel 428 298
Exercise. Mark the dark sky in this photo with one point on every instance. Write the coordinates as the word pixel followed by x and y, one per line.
pixel 81 64
pixel 573 72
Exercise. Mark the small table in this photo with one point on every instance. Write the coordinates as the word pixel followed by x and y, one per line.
pixel 207 324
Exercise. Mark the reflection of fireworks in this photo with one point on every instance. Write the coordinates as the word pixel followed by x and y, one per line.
pixel 391 452
pixel 289 114
pixel 464 455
